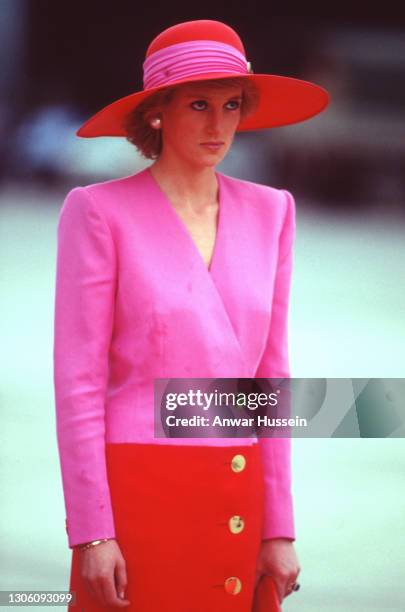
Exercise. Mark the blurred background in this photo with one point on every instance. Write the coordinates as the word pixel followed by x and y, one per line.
pixel 60 63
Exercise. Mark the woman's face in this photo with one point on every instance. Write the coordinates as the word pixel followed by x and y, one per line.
pixel 196 115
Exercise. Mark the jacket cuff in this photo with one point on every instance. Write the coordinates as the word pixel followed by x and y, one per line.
pixel 77 537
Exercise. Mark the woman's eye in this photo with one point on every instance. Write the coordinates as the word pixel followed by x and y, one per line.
pixel 198 103
pixel 235 102
pixel 202 104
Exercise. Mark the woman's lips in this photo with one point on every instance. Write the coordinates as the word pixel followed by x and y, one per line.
pixel 212 146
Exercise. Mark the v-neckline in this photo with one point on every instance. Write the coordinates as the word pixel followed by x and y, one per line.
pixel 184 229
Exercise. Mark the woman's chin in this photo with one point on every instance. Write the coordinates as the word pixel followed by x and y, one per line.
pixel 212 159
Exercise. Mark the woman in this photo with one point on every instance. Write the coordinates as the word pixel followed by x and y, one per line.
pixel 177 271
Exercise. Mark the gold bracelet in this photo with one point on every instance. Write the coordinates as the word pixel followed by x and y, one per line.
pixel 93 543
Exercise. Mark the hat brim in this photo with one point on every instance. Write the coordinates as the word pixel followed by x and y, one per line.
pixel 282 101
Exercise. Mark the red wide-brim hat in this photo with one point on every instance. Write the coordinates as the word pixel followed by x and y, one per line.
pixel 206 49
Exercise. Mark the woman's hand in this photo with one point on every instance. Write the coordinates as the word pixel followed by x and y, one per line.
pixel 278 559
pixel 104 572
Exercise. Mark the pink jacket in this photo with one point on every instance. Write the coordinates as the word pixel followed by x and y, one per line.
pixel 135 301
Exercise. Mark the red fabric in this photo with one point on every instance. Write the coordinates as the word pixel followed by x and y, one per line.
pixel 266 597
pixel 201 29
pixel 171 509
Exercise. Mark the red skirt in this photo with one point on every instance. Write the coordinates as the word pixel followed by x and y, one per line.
pixel 188 521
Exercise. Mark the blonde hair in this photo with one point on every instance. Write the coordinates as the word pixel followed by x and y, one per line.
pixel 149 140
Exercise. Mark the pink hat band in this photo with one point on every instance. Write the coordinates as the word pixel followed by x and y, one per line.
pixel 191 58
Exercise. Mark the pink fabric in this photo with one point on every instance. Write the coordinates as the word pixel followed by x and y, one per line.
pixel 186 59
pixel 135 301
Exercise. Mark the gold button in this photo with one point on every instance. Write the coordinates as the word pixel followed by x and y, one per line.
pixel 238 463
pixel 233 585
pixel 236 524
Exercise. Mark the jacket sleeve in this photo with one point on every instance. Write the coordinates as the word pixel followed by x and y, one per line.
pixel 84 306
pixel 276 452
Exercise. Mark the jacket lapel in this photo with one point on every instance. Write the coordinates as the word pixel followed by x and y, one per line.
pixel 230 291
pixel 242 270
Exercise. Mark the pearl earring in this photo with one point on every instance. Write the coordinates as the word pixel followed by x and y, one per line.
pixel 155 123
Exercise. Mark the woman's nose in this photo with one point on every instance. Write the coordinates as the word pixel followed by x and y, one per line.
pixel 214 121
